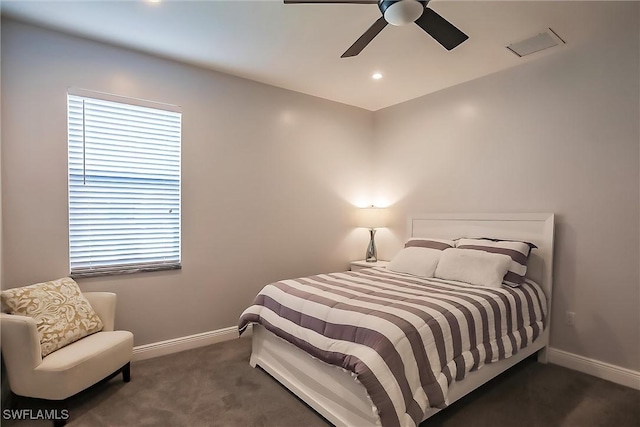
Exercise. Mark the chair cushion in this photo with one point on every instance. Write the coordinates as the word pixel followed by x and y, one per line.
pixel 82 364
pixel 62 314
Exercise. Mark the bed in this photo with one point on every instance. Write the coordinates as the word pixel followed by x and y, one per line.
pixel 362 387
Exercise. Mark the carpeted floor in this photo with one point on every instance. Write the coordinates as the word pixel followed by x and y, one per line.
pixel 215 386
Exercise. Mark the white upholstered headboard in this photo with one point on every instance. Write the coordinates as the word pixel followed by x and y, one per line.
pixel 536 228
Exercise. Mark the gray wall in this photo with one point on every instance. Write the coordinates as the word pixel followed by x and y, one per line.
pixel 269 178
pixel 560 135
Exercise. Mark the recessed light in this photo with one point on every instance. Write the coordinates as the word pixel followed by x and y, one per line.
pixel 153 1
pixel 376 76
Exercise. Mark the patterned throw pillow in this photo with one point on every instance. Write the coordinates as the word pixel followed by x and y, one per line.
pixel 62 314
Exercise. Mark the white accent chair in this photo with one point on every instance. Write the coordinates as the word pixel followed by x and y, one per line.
pixel 71 369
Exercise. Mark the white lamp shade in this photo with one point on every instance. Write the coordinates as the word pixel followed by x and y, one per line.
pixel 403 12
pixel 372 217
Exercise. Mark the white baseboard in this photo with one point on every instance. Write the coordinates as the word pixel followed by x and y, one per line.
pixel 606 371
pixel 176 345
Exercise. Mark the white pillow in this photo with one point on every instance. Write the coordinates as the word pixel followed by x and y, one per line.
pixel 473 266
pixel 517 251
pixel 415 260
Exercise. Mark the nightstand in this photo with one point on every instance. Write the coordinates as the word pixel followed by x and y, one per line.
pixel 362 264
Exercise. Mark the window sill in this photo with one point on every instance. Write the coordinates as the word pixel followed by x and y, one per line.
pixel 123 270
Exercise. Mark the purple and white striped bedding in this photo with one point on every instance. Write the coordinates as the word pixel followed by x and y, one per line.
pixel 406 338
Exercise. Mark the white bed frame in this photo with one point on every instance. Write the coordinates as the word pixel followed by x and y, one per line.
pixel 338 396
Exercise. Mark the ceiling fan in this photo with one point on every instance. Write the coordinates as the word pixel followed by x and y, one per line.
pixel 400 12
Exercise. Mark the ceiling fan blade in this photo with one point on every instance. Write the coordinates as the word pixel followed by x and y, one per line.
pixel 440 29
pixel 366 38
pixel 331 1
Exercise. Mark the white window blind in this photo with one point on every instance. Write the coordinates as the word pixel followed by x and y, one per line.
pixel 124 187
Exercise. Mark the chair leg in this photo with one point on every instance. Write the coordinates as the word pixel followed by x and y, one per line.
pixel 61 411
pixel 126 372
pixel 12 400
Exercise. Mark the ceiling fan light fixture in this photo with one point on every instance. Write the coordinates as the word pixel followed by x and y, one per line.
pixel 401 12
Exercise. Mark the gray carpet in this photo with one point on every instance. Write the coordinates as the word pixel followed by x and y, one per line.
pixel 215 386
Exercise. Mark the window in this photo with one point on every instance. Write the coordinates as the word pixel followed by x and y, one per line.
pixel 124 185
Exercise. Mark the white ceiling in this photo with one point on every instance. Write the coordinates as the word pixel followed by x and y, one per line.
pixel 298 47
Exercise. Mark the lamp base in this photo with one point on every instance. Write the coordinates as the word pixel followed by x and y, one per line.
pixel 372 253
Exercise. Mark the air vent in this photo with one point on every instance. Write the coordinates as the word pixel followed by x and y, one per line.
pixel 541 41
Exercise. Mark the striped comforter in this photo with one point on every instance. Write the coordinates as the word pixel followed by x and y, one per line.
pixel 406 338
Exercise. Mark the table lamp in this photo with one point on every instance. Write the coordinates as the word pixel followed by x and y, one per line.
pixel 372 218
